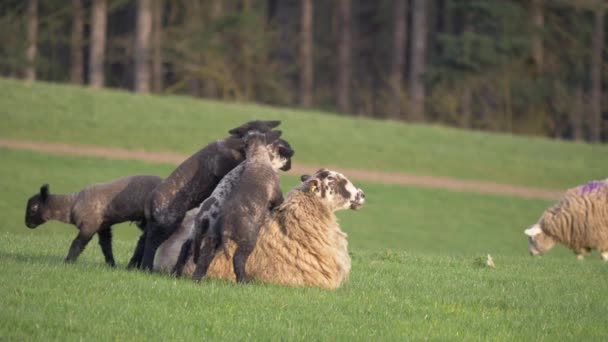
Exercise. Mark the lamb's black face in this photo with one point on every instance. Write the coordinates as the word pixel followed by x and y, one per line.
pixel 281 154
pixel 33 211
pixel 334 188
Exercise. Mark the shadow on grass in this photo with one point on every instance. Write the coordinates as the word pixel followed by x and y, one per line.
pixel 41 259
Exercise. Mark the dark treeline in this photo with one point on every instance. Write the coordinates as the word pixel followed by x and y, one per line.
pixel 522 66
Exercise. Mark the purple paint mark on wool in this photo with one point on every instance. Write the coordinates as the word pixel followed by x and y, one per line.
pixel 592 186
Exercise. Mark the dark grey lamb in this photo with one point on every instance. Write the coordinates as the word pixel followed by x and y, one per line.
pixel 93 210
pixel 258 191
pixel 208 213
pixel 192 182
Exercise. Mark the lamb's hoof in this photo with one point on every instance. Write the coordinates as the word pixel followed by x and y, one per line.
pixel 580 257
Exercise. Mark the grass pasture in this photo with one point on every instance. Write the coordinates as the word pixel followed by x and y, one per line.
pixel 60 113
pixel 418 253
pixel 405 284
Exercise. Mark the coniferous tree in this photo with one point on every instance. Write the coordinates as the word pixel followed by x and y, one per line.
pixel 344 56
pixel 418 60
pixel 142 46
pixel 77 43
pixel 306 54
pixel 97 44
pixel 32 41
pixel 398 56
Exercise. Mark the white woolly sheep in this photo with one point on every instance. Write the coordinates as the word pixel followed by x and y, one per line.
pixel 300 244
pixel 579 221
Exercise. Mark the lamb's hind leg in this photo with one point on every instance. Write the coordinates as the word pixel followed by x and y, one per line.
pixel 206 256
pixel 138 253
pixel 78 245
pixel 239 260
pixel 105 241
pixel 182 259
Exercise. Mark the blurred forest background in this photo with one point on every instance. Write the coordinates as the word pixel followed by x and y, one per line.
pixel 534 67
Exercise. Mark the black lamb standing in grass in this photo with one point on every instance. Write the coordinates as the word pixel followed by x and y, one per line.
pixel 93 210
pixel 258 191
pixel 190 184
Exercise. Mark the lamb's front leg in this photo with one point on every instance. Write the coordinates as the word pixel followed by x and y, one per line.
pixel 277 198
pixel 105 241
pixel 78 245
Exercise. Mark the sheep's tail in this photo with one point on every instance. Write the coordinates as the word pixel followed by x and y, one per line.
pixel 182 259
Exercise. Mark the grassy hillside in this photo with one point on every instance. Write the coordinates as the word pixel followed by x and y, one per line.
pixel 417 273
pixel 67 114
pixel 397 218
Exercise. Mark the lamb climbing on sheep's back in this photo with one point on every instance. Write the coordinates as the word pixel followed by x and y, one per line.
pixel 93 210
pixel 579 221
pixel 301 242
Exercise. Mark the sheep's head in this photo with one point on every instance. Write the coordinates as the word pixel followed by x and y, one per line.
pixel 538 242
pixel 334 189
pixel 34 212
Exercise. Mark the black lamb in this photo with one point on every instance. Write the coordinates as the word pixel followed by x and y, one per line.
pixel 190 183
pixel 257 191
pixel 93 210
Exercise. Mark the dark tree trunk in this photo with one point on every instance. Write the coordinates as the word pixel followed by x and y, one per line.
pixel 157 41
pixel 344 56
pixel 418 60
pixel 595 122
pixel 77 43
pixel 398 58
pixel 306 54
pixel 32 37
pixel 281 16
pixel 537 40
pixel 576 114
pixel 142 46
pixel 98 44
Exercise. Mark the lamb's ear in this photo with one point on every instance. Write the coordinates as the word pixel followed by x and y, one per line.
pixel 256 125
pixel 272 136
pixel 533 231
pixel 271 123
pixel 234 143
pixel 44 192
pixel 303 178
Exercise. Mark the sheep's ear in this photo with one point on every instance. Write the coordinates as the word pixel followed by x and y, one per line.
pixel 272 136
pixel 533 231
pixel 303 178
pixel 313 185
pixel 44 192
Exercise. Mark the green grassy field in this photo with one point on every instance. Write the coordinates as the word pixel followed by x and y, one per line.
pixel 68 114
pixel 418 270
pixel 416 274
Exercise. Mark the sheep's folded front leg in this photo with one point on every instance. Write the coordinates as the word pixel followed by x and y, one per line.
pixel 78 245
